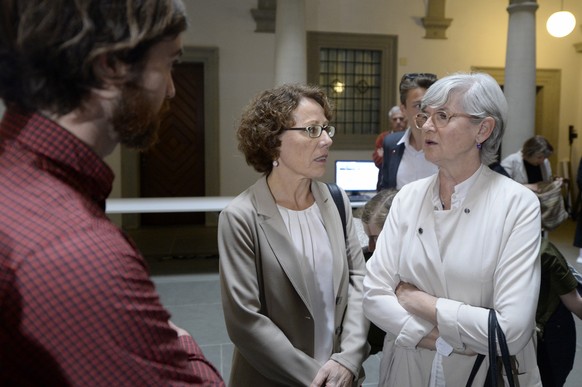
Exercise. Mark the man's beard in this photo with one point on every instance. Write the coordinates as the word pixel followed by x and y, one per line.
pixel 135 121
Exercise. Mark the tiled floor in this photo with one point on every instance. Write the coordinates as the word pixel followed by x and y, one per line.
pixel 189 288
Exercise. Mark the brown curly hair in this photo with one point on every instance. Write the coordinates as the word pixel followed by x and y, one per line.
pixel 265 118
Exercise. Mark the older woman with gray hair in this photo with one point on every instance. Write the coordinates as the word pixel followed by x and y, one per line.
pixel 455 246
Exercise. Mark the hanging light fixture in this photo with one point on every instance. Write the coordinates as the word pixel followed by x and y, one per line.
pixel 561 23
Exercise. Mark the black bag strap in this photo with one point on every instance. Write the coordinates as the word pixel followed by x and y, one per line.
pixel 476 367
pixel 492 348
pixel 336 194
pixel 495 334
pixel 505 358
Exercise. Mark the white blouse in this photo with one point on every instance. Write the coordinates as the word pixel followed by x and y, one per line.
pixel 310 238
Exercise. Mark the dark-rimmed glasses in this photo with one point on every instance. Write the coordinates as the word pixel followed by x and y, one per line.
pixel 440 118
pixel 314 131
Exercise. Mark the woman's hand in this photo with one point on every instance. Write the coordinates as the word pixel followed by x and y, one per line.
pixel 417 302
pixel 333 374
pixel 405 293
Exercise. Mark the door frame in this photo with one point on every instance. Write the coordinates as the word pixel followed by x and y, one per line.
pixel 208 56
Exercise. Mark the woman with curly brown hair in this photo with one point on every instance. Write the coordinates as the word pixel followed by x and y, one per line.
pixel 291 282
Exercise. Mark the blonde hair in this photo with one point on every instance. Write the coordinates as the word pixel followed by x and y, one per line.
pixel 376 209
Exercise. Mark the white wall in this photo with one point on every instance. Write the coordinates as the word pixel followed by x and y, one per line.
pixel 476 37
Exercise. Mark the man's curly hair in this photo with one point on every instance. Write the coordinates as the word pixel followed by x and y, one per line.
pixel 266 117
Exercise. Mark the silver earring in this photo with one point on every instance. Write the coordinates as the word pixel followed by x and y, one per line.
pixel 275 163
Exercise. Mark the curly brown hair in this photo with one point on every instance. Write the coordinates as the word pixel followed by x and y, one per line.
pixel 265 118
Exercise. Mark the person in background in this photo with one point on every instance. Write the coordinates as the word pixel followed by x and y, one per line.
pixel 373 217
pixel 456 245
pixel 403 156
pixel 398 123
pixel 530 165
pixel 559 298
pixel 291 280
pixel 77 306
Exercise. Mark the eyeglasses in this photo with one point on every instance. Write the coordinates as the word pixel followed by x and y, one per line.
pixel 410 76
pixel 440 118
pixel 314 131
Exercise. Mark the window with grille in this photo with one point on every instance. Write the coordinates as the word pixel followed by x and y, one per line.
pixel 358 74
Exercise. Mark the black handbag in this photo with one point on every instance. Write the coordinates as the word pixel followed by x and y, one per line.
pixel 375 334
pixel 494 375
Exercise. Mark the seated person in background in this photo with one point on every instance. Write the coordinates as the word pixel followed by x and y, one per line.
pixel 374 215
pixel 558 299
pixel 403 159
pixel 398 123
pixel 530 165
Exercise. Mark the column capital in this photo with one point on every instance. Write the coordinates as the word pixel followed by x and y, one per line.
pixel 265 15
pixel 522 5
pixel 435 23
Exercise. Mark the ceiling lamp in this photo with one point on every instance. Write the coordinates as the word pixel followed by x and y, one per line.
pixel 561 23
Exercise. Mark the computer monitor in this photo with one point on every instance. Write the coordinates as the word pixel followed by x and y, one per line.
pixel 356 177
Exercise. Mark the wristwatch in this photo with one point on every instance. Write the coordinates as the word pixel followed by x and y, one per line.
pixel 443 347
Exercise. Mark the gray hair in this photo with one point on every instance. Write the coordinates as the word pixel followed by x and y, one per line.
pixel 393 110
pixel 481 96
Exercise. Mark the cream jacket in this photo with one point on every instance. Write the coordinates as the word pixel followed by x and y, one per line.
pixel 494 265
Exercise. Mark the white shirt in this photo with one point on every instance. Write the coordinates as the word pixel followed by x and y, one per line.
pixel 413 165
pixel 311 241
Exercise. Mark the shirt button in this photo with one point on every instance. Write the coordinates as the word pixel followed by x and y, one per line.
pixel 467 210
pixel 420 230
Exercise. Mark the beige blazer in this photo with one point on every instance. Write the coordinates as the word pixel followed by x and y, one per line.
pixel 267 307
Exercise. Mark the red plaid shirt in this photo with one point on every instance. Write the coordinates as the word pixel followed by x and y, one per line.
pixel 77 306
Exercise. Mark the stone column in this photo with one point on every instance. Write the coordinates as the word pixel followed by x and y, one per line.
pixel 520 74
pixel 290 43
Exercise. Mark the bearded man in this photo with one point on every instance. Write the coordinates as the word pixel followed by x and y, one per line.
pixel 77 307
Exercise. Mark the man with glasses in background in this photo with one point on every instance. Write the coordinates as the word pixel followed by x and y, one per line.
pixel 403 159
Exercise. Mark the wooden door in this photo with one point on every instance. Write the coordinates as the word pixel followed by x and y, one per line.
pixel 174 167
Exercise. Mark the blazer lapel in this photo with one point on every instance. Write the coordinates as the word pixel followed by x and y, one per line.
pixel 278 238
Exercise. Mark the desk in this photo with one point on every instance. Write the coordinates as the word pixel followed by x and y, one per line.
pixel 180 204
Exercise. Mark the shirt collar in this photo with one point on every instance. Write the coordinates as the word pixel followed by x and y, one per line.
pixel 460 191
pixel 62 153
pixel 405 138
